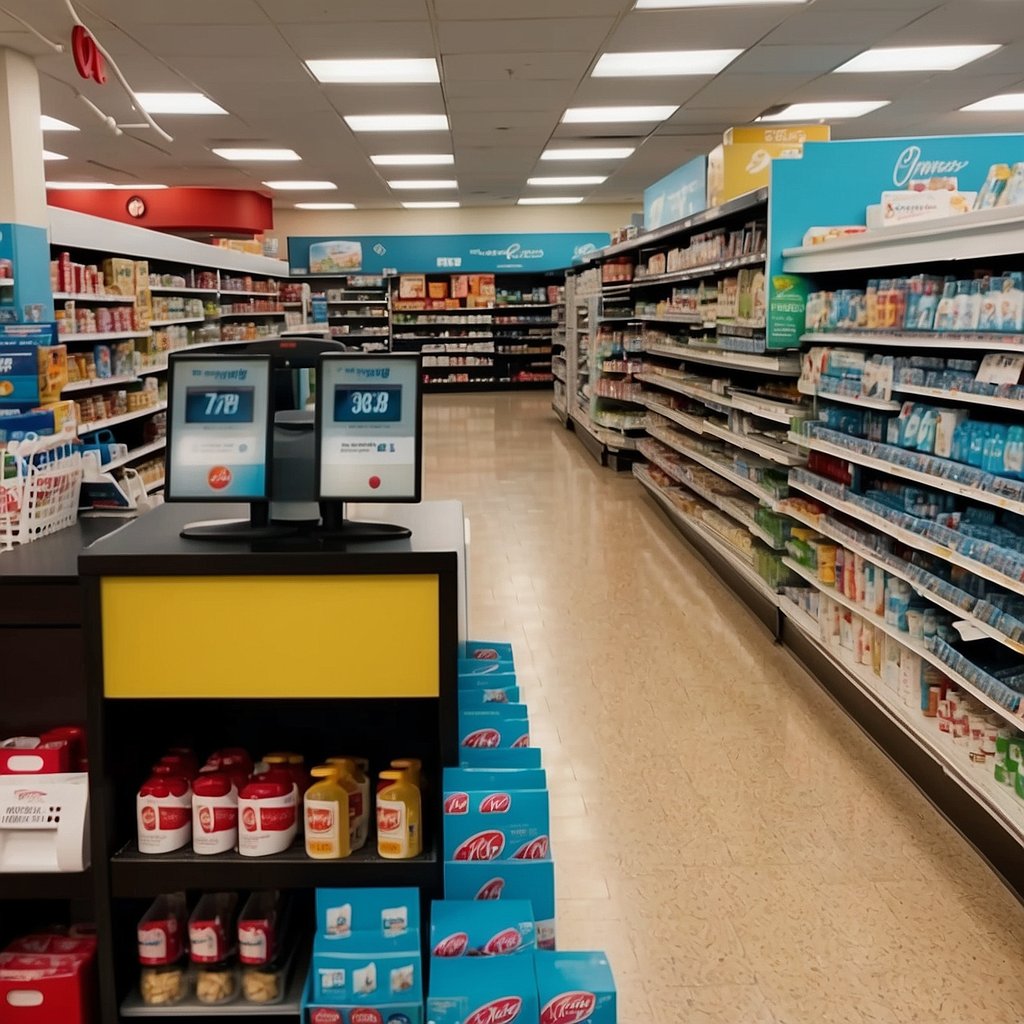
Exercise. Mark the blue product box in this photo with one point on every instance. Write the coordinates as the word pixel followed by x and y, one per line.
pixel 478 667
pixel 19 363
pixel 483 990
pixel 491 757
pixel 532 880
pixel 494 725
pixel 316 1012
pixel 491 695
pixel 487 681
pixel 575 988
pixel 486 650
pixel 18 426
pixel 496 825
pixel 455 779
pixel 461 928
pixel 385 913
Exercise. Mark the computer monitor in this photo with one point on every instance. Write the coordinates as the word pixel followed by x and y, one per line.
pixel 369 434
pixel 219 424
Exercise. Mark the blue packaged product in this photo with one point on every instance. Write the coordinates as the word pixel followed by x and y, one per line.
pixel 494 725
pixel 493 778
pixel 1013 455
pixel 475 667
pixel 483 990
pixel 575 987
pixel 487 650
pixel 995 446
pixel 491 757
pixel 976 449
pixel 461 928
pixel 926 430
pixel 487 681
pixel 496 824
pixel 489 695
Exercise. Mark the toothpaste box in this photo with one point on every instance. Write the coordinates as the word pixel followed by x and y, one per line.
pixel 487 681
pixel 575 987
pixel 490 695
pixel 479 667
pixel 532 880
pixel 483 990
pixel 496 825
pixel 486 650
pixel 495 778
pixel 494 725
pixel 474 928
pixel 492 757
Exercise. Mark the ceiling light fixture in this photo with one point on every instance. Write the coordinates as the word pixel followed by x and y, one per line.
pixel 668 5
pixel 103 185
pixel 612 115
pixel 413 159
pixel 397 122
pixel 551 201
pixel 47 155
pixel 423 184
pixel 381 71
pixel 249 153
pixel 178 103
pixel 593 153
pixel 577 179
pixel 301 186
pixel 885 59
pixel 663 63
pixel 825 111
pixel 1005 101
pixel 325 206
pixel 435 205
pixel 53 124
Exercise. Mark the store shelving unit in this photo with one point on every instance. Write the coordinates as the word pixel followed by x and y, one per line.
pixel 559 359
pixel 358 309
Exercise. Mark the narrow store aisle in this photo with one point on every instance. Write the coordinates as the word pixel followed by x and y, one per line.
pixel 741 850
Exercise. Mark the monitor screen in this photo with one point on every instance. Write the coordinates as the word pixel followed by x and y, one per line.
pixel 218 428
pixel 369 414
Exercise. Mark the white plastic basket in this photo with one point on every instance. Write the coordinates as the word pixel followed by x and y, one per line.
pixel 40 496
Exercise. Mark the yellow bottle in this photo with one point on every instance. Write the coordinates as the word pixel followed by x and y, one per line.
pixel 413 768
pixel 357 784
pixel 326 815
pixel 399 832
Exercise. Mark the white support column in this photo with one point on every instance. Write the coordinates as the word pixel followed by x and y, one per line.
pixel 22 178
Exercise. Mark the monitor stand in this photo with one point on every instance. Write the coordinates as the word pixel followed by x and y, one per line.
pixel 257 527
pixel 337 528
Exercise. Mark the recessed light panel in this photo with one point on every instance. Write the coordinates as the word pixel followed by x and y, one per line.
pixel 613 115
pixel 423 183
pixel 826 111
pixel 591 153
pixel 885 59
pixel 47 155
pixel 436 205
pixel 54 124
pixel 266 155
pixel 1006 101
pixel 580 179
pixel 325 206
pixel 413 160
pixel 178 103
pixel 397 122
pixel 80 185
pixel 301 186
pixel 663 63
pixel 551 201
pixel 370 72
pixel 671 5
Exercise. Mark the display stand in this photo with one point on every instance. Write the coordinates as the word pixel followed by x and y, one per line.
pixel 272 649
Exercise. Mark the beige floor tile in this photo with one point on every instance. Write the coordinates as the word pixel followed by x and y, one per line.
pixel 741 850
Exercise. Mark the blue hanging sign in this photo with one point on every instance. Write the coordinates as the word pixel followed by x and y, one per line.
pixel 680 194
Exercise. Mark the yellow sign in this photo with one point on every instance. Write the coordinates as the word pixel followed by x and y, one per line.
pixel 271 636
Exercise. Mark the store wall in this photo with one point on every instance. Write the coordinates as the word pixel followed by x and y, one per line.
pixel 473 220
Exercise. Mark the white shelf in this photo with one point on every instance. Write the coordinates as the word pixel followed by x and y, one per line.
pixel 767 408
pixel 783 366
pixel 918 647
pixel 922 340
pixel 914 540
pixel 976 780
pixel 676 318
pixel 695 424
pixel 162 368
pixel 232 293
pixel 172 323
pixel 103 336
pixel 980 234
pixel 99 382
pixel 690 273
pixel 689 390
pixel 894 469
pixel 766 449
pixel 217 344
pixel 123 300
pixel 88 428
pixel 170 289
pixel 155 485
pixel 608 436
pixel 357 302
pixel 250 314
pixel 860 401
pixel 741 564
pixel 949 395
pixel 136 453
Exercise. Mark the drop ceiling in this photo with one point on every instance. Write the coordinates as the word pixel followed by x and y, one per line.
pixel 508 71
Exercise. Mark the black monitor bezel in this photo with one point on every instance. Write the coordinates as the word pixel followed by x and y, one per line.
pixel 321 408
pixel 173 362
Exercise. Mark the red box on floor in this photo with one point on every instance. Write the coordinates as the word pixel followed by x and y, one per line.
pixel 29 756
pixel 46 987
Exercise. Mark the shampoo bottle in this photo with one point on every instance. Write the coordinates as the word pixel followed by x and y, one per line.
pixel 399 834
pixel 327 823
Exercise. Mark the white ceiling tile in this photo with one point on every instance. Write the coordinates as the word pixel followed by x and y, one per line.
pixel 126 13
pixel 765 90
pixel 812 27
pixel 481 10
pixel 388 99
pixel 529 36
pixel 360 39
pixel 495 65
pixel 286 12
pixel 614 92
pixel 496 98
pixel 768 59
pixel 261 41
pixel 695 29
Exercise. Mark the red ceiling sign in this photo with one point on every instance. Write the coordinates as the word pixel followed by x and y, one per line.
pixel 88 59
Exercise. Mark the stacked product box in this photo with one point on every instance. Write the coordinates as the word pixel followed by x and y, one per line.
pixel 367 961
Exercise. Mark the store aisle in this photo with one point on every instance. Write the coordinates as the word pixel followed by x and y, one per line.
pixel 737 845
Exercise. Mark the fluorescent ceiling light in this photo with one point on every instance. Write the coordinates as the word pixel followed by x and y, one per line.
pixel 551 201
pixel 594 115
pixel 413 159
pixel 885 59
pixel 397 122
pixel 662 63
pixel 53 124
pixel 47 155
pixel 368 72
pixel 178 103
pixel 141 188
pixel 579 179
pixel 436 205
pixel 826 111
pixel 667 5
pixel 994 104
pixel 267 155
pixel 301 186
pixel 599 153
pixel 325 206
pixel 423 183
pixel 80 184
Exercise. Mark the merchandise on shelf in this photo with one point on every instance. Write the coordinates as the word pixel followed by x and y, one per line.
pixel 206 280
pixel 469 928
pixel 48 977
pixel 213 948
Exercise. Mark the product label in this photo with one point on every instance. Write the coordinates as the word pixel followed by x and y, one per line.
pixel 456 803
pixel 507 941
pixel 212 819
pixel 482 846
pixel 570 1008
pixel 392 831
pixel 159 942
pixel 322 837
pixel 496 803
pixel 452 945
pixel 206 944
pixel 501 1011
pixel 254 942
pixel 155 817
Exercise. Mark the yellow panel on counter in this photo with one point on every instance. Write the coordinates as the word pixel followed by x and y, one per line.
pixel 270 636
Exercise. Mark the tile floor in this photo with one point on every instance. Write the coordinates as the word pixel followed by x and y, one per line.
pixel 740 849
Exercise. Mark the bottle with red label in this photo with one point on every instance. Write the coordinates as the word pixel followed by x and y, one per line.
pixel 161 943
pixel 261 948
pixel 212 935
pixel 164 812
pixel 214 813
pixel 268 811
pixel 399 831
pixel 327 812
